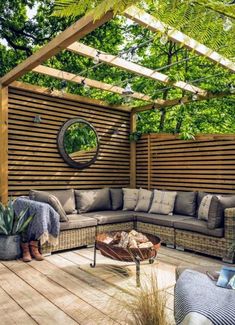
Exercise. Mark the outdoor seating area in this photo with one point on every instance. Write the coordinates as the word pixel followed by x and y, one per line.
pixel 117 155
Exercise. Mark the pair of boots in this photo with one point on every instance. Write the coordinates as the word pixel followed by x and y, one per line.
pixel 30 250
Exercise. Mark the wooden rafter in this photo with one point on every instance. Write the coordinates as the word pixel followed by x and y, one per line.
pixel 116 61
pixel 68 96
pixel 91 83
pixel 144 19
pixel 82 27
pixel 178 101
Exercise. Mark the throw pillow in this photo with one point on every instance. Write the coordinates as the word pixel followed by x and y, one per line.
pixel 45 197
pixel 185 203
pixel 211 210
pixel 163 202
pixel 67 200
pixel 203 210
pixel 130 198
pixel 92 200
pixel 144 200
pixel 116 198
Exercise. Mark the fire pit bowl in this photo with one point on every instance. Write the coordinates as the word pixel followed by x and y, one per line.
pixel 115 252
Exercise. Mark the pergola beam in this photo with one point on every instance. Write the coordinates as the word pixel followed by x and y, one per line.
pixel 144 19
pixel 179 101
pixel 118 62
pixel 81 28
pixel 91 83
pixel 74 97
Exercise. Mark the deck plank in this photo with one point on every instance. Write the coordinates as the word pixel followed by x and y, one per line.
pixel 38 307
pixel 11 312
pixel 71 263
pixel 97 299
pixel 75 307
pixel 63 289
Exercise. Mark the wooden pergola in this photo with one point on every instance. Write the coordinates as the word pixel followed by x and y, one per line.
pixel 68 40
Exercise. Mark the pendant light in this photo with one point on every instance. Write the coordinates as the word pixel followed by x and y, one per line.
pixel 227 24
pixel 96 59
pixel 164 39
pixel 127 91
pixel 85 85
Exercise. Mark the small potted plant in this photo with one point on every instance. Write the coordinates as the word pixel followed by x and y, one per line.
pixel 11 228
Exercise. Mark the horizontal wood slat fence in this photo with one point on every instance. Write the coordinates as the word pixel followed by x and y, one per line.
pixel 166 162
pixel 34 161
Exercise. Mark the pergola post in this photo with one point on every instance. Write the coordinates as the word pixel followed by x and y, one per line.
pixel 133 118
pixel 3 144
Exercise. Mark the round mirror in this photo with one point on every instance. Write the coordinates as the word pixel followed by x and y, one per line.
pixel 78 143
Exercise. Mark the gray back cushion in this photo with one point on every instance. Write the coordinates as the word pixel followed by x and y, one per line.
pixel 66 198
pixel 211 210
pixel 144 200
pixel 185 203
pixel 92 200
pixel 116 198
pixel 227 201
pixel 45 197
pixel 130 198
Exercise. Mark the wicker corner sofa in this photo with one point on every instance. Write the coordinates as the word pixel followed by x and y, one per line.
pixel 180 231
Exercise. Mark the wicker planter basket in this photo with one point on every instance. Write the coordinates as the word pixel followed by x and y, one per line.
pixel 127 254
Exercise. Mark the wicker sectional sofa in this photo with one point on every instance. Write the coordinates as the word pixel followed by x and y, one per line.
pixel 176 230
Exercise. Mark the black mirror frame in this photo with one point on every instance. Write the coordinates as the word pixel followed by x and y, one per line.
pixel 60 143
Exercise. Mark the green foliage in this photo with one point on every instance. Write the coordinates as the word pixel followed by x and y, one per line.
pixel 79 136
pixel 10 224
pixel 199 19
pixel 135 136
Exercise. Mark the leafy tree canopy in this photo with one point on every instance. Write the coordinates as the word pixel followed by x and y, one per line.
pixel 203 20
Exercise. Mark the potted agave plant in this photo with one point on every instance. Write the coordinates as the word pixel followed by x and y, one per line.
pixel 11 228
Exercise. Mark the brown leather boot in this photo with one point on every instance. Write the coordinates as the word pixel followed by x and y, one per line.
pixel 34 250
pixel 26 252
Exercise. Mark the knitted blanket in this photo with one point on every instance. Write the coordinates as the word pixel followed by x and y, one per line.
pixel 45 224
pixel 199 301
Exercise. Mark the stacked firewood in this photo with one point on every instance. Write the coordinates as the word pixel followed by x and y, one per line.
pixel 132 239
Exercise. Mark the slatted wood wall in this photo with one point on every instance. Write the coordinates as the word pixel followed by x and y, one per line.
pixel 34 161
pixel 207 163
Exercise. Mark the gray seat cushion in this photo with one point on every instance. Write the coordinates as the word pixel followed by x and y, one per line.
pixel 107 217
pixel 159 219
pixel 199 226
pixel 77 221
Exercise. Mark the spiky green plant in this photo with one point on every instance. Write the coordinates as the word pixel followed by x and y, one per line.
pixel 11 224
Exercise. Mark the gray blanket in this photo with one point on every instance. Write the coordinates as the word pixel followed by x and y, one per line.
pixel 45 224
pixel 199 301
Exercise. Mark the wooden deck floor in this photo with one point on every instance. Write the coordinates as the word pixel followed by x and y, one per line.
pixel 63 289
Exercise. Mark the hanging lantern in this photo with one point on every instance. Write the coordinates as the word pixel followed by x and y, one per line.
pixel 195 97
pixel 85 85
pixel 127 91
pixel 232 89
pixel 164 39
pixel 227 24
pixel 96 59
